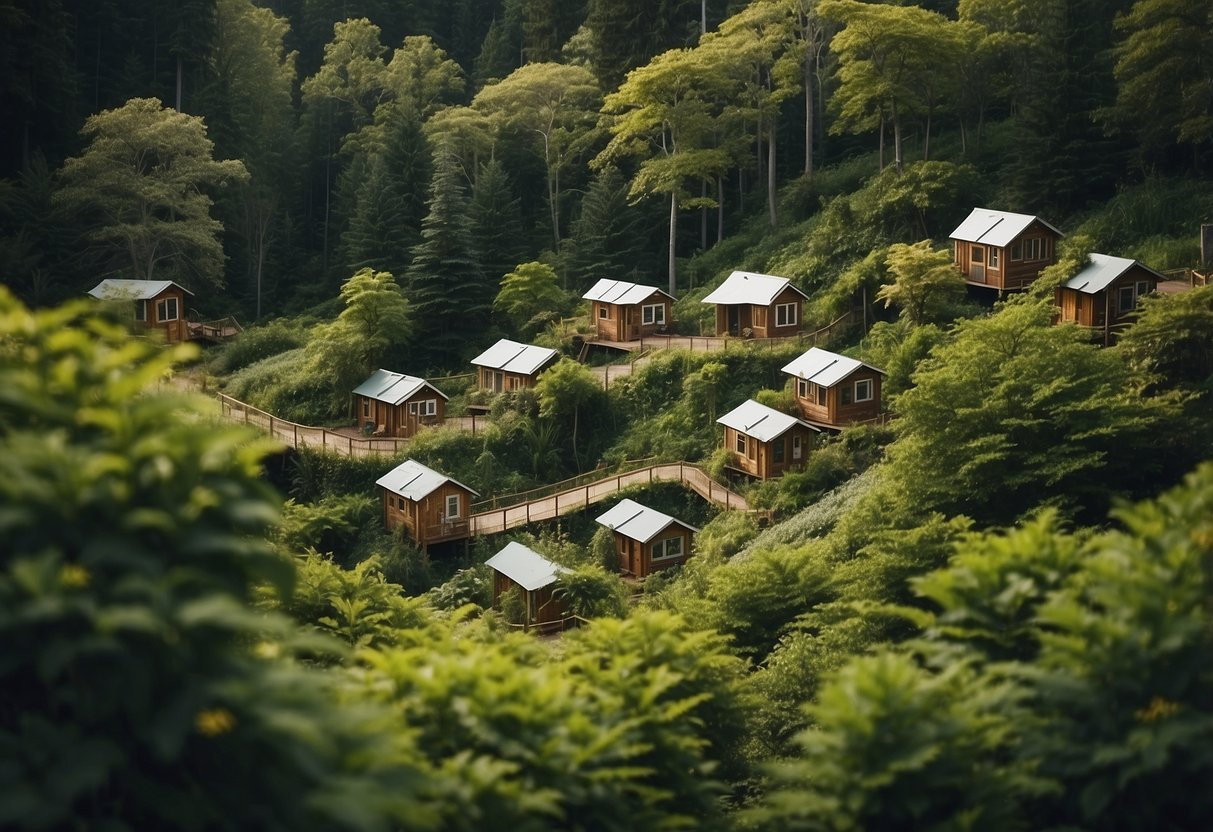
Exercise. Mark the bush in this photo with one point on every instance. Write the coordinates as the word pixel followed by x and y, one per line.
pixel 258 343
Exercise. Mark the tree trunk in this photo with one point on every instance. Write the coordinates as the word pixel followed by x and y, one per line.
pixel 881 163
pixel 772 194
pixel 808 116
pixel 926 139
pixel 703 216
pixel 328 189
pixel 897 160
pixel 719 209
pixel 180 71
pixel 673 238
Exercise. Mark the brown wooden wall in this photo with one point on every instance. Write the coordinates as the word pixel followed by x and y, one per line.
pixel 509 381
pixel 1101 310
pixel 174 331
pixel 734 319
pixel 623 322
pixel 759 460
pixel 836 414
pixel 546 608
pixel 636 558
pixel 395 419
pixel 424 520
pixel 1010 274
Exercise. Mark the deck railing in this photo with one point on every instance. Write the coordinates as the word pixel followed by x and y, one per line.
pixel 300 436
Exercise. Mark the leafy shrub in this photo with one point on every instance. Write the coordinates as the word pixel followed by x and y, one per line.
pixel 591 592
pixel 258 343
pixel 329 526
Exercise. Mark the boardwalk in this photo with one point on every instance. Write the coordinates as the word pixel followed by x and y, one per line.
pixel 575 498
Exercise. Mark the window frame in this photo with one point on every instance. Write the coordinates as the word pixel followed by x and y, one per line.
pixel 1121 306
pixel 649 317
pixel 778 451
pixel 797 446
pixel 604 313
pixel 665 547
pixel 141 311
pixel 1017 251
pixel 871 390
pixel 162 307
pixel 366 408
pixel 994 257
pixel 784 317
pixel 740 444
pixel 447 513
pixel 802 388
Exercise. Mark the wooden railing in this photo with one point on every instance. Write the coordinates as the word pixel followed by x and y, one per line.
pixel 307 436
pixel 600 473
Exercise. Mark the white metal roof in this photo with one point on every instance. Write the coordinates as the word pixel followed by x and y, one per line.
pixel 621 292
pixel 759 421
pixel 639 522
pixel 824 367
pixel 750 287
pixel 113 288
pixel 995 228
pixel 413 481
pixel 513 357
pixel 526 567
pixel 1101 271
pixel 393 388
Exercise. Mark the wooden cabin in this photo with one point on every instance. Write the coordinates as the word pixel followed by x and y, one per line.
pixel 509 365
pixel 757 306
pixel 833 390
pixel 765 442
pixel 646 540
pixel 623 311
pixel 159 304
pixel 519 569
pixel 393 404
pixel 432 507
pixel 1001 250
pixel 1105 294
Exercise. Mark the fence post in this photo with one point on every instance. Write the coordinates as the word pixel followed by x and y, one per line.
pixel 296 445
pixel 587 495
pixel 528 512
pixel 350 452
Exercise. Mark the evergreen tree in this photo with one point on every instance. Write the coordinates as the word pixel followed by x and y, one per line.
pixel 385 224
pixel 608 239
pixel 445 282
pixel 626 33
pixel 496 222
pixel 498 56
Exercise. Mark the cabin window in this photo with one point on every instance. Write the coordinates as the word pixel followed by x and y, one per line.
pixel 1143 288
pixel 452 506
pixel 425 407
pixel 166 310
pixel 777 451
pixel 819 394
pixel 603 312
pixel 1128 299
pixel 671 547
pixel 785 314
pixel 979 254
pixel 1037 248
pixel 511 383
pixel 994 258
pixel 653 313
pixel 863 390
pixel 741 444
pixel 760 316
pixel 844 394
pixel 366 408
pixel 1017 252
pixel 797 446
pixel 802 388
pixel 140 310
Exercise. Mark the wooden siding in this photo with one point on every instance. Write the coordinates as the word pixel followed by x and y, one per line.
pixel 759 459
pixel 174 330
pixel 636 558
pixel 426 521
pixel 623 322
pixel 497 381
pixel 974 260
pixel 1101 310
pixel 541 607
pixel 834 413
pixel 736 318
pixel 395 420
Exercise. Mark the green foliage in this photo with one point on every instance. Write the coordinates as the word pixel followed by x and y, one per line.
pixel 467 586
pixel 565 390
pixel 829 465
pixel 591 592
pixel 725 534
pixel 138 189
pixel 1170 345
pixel 898 348
pixel 257 343
pixel 527 292
pixel 141 689
pixel 925 284
pixel 329 526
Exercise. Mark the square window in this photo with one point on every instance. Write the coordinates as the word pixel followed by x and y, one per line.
pixel 978 254
pixel 653 314
pixel 671 547
pixel 863 390
pixel 785 314
pixel 1017 252
pixel 166 310
pixel 602 311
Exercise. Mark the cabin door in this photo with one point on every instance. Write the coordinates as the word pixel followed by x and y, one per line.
pixel 734 320
pixel 977 263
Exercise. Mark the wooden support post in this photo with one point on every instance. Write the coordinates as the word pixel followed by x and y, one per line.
pixel 296 445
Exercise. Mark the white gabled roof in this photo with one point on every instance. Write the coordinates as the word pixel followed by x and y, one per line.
pixel 995 228
pixel 825 368
pixel 413 481
pixel 621 292
pixel 759 421
pixel 638 522
pixel 1101 271
pixel 113 288
pixel 393 388
pixel 526 567
pixel 750 287
pixel 513 357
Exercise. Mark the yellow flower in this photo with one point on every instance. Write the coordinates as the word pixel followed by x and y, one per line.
pixel 73 575
pixel 214 721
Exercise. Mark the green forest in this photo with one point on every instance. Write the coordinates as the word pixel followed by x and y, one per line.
pixel 988 607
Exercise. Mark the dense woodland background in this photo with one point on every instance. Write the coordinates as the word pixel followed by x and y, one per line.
pixel 993 612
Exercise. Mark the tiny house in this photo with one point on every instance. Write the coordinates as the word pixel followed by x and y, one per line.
pixel 623 311
pixel 765 442
pixel 833 390
pixel 1105 294
pixel 646 540
pixel 393 404
pixel 1002 250
pixel 432 507
pixel 760 305
pixel 509 365
pixel 519 569
pixel 159 304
